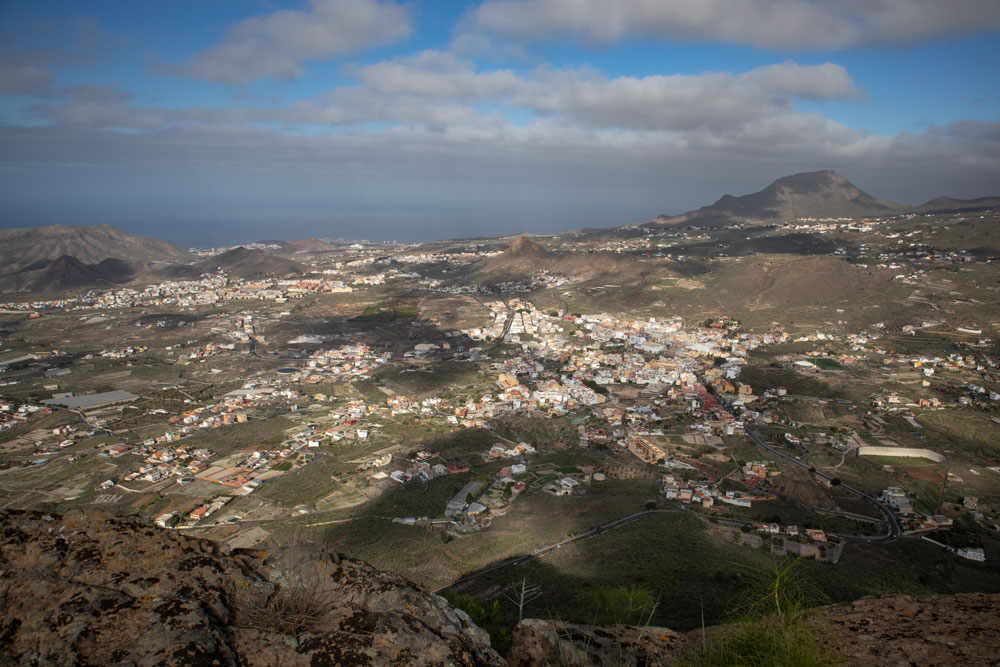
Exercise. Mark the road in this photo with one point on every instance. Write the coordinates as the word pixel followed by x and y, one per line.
pixel 891 520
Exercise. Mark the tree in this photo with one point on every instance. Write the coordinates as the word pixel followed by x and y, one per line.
pixel 835 481
pixel 520 593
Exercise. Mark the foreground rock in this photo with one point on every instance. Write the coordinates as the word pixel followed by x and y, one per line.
pixel 92 589
pixel 540 642
pixel 945 630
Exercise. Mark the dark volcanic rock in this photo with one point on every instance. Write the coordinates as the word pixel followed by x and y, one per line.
pixel 92 589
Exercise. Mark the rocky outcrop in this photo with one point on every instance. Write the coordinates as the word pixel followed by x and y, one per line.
pixel 91 589
pixel 540 642
pixel 938 630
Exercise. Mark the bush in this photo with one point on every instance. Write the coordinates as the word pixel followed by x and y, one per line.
pixel 290 608
pixel 622 605
pixel 768 628
pixel 760 644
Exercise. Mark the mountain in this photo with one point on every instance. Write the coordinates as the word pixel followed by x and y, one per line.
pixel 92 589
pixel 816 194
pixel 949 205
pixel 68 272
pixel 24 247
pixel 238 263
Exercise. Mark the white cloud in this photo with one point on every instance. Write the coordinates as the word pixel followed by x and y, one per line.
pixel 718 100
pixel 447 95
pixel 437 74
pixel 277 44
pixel 776 24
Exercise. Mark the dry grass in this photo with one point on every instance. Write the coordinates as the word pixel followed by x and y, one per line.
pixel 289 608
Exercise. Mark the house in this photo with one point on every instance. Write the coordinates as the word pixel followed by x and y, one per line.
pixel 400 476
pixel 460 500
pixel 646 449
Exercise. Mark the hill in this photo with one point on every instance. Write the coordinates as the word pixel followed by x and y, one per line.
pixel 816 194
pixel 525 247
pixel 525 258
pixel 949 205
pixel 68 272
pixel 302 246
pixel 239 263
pixel 93 589
pixel 24 247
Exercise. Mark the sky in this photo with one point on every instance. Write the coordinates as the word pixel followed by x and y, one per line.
pixel 212 123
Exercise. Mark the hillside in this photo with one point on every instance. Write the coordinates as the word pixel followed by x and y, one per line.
pixel 24 247
pixel 949 205
pixel 68 272
pixel 817 194
pixel 303 246
pixel 525 258
pixel 238 263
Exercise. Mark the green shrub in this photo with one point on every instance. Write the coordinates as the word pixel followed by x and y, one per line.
pixel 622 605
pixel 768 628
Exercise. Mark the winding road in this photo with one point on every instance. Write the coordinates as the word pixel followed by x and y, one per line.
pixel 891 520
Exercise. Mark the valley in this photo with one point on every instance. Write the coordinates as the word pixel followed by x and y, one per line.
pixel 657 405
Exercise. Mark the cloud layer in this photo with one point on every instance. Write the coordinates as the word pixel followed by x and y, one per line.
pixel 773 24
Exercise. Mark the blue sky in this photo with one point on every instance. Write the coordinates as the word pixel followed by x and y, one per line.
pixel 229 121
